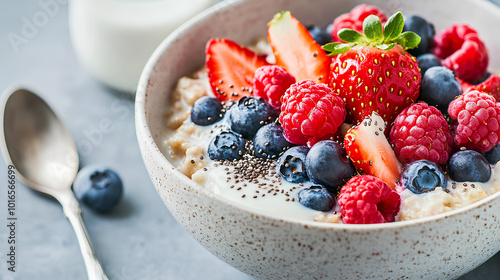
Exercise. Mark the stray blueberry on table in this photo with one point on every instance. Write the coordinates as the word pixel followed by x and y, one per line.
pixel 469 166
pixel 328 165
pixel 292 164
pixel 423 176
pixel 206 111
pixel 249 114
pixel 317 198
pixel 226 145
pixel 98 187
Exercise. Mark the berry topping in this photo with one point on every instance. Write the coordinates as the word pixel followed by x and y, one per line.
pixel 373 72
pixel 269 141
pixel 292 164
pixel 493 155
pixel 354 19
pixel 421 132
pixel 328 165
pixel 230 68
pixel 227 145
pixel 98 187
pixel 310 112
pixel 477 117
pixel 206 111
pixel 423 29
pixel 439 87
pixel 370 151
pixel 296 50
pixel 270 83
pixel 469 166
pixel 320 35
pixel 490 86
pixel 249 114
pixel 462 51
pixel 316 198
pixel 368 200
pixel 427 61
pixel 423 176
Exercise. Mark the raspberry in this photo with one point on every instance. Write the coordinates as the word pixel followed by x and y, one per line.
pixel 271 82
pixel 491 86
pixel 310 112
pixel 421 132
pixel 366 199
pixel 462 51
pixel 354 19
pixel 477 121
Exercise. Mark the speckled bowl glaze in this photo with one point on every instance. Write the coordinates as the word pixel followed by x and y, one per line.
pixel 268 247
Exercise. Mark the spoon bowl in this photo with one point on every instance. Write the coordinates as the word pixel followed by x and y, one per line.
pixel 38 145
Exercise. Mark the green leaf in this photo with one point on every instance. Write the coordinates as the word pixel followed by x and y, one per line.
pixel 351 36
pixel 408 40
pixel 372 27
pixel 393 27
pixel 386 47
pixel 337 48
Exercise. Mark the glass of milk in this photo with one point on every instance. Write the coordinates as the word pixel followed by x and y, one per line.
pixel 114 38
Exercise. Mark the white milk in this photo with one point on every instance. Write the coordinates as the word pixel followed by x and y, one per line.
pixel 114 38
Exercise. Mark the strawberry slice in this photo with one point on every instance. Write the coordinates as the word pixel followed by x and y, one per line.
pixel 230 68
pixel 491 86
pixel 296 50
pixel 370 151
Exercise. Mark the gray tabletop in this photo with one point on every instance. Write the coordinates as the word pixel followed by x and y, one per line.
pixel 139 239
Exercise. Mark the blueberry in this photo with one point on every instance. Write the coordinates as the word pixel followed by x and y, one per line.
pixel 327 164
pixel 482 79
pixel 493 155
pixel 206 111
pixel 439 87
pixel 423 29
pixel 226 145
pixel 423 176
pixel 320 35
pixel 427 61
pixel 469 166
pixel 249 114
pixel 269 141
pixel 292 165
pixel 98 187
pixel 316 198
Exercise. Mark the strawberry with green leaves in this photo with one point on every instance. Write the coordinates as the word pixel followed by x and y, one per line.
pixel 373 72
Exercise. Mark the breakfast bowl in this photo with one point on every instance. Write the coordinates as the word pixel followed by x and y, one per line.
pixel 271 246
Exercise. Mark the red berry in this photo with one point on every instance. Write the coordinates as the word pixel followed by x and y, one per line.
pixel 421 132
pixel 365 199
pixel 491 86
pixel 477 117
pixel 462 51
pixel 310 111
pixel 354 19
pixel 270 83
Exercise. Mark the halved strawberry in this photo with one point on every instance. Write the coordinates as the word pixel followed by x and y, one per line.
pixel 230 68
pixel 370 152
pixel 491 86
pixel 296 50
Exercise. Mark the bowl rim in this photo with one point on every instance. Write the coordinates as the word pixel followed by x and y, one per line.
pixel 142 129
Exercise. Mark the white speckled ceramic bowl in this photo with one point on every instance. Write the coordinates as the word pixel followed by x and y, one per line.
pixel 269 247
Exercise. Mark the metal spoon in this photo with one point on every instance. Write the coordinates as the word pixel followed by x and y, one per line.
pixel 44 153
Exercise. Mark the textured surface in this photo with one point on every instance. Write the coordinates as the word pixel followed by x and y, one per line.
pixel 141 239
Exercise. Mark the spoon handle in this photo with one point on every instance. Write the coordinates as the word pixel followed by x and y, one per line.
pixel 73 212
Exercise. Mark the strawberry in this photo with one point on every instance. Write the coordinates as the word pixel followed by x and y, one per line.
pixel 296 50
pixel 230 68
pixel 373 72
pixel 370 152
pixel 491 86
